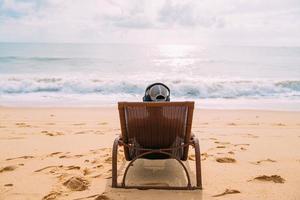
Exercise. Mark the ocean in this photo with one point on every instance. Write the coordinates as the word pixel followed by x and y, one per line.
pixel 219 77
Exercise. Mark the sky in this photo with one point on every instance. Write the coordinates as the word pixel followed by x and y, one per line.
pixel 228 22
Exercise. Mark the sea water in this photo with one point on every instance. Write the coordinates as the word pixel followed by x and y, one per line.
pixel 235 77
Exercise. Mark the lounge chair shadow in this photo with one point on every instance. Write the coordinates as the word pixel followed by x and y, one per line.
pixel 167 172
pixel 156 172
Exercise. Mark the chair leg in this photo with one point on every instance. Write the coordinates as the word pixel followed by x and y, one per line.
pixel 115 163
pixel 198 163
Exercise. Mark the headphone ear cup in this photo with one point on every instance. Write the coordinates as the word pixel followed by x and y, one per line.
pixel 146 98
pixel 168 98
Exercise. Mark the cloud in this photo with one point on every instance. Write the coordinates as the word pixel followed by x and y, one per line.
pixel 130 16
pixel 186 15
pixel 155 21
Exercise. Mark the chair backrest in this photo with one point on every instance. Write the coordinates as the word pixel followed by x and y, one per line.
pixel 156 125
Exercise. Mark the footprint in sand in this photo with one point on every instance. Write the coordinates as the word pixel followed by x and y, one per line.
pixel 54 153
pixel 80 133
pixel 23 125
pixel 98 197
pixel 222 143
pixel 242 148
pixel 254 124
pixel 49 167
pixel 98 133
pixel 79 124
pixel 98 166
pixel 225 160
pixel 260 161
pixel 273 178
pixel 50 124
pixel 241 145
pixel 227 191
pixel 205 123
pixel 21 157
pixel 192 157
pixel 9 185
pixel 108 160
pixel 72 167
pixel 102 123
pixel 102 197
pixel 278 124
pixel 96 176
pixel 76 184
pixel 51 195
pixel 249 135
pixel 52 133
pixel 204 156
pixel 56 167
pixel 78 156
pixel 64 156
pixel 87 171
pixel 8 168
pixel 221 147
pixel 232 124
pixel 94 151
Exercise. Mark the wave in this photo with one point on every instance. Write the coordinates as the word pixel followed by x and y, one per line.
pixel 184 88
pixel 39 59
pixel 162 59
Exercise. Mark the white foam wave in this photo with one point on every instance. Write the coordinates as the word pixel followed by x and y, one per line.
pixel 180 88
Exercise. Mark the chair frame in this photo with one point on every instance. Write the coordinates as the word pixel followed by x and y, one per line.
pixel 190 140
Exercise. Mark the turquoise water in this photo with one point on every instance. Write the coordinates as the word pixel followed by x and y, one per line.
pixel 97 74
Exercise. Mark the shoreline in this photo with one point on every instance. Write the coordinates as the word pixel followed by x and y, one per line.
pixel 206 104
pixel 116 107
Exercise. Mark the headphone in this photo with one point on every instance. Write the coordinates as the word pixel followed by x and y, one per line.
pixel 147 95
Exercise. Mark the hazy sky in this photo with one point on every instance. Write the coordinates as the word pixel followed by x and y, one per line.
pixel 239 22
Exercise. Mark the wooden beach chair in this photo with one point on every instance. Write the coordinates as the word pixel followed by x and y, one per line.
pixel 156 130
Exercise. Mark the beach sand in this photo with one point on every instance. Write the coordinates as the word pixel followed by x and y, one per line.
pixel 65 153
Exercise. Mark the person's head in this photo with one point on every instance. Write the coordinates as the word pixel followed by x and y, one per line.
pixel 157 92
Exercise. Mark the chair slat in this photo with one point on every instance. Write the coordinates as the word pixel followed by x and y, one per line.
pixel 156 125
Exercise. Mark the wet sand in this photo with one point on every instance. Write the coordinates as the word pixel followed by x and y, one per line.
pixel 65 153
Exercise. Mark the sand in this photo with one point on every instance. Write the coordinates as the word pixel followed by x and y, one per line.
pixel 65 153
